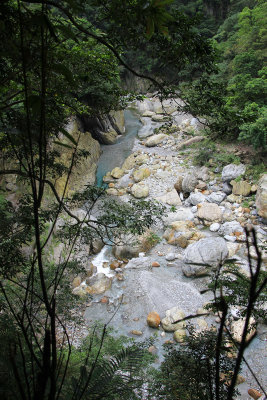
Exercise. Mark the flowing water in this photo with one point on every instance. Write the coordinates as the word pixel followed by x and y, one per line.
pixel 114 155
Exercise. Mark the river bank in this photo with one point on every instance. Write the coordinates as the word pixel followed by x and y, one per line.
pixel 203 223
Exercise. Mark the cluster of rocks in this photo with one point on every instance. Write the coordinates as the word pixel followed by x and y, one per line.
pixel 204 223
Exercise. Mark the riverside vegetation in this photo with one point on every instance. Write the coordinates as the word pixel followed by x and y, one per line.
pixel 65 69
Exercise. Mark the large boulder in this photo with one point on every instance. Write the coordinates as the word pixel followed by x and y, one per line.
pixel 172 198
pixel 209 212
pixel 141 174
pixel 241 188
pixel 160 118
pixel 155 140
pixel 117 173
pixel 170 324
pixel 228 228
pixel 181 214
pixel 204 255
pixel 139 190
pixel 216 197
pixel 232 171
pixel 98 284
pixel 196 198
pixel 153 319
pixel 237 329
pixel 135 159
pixel 189 183
pixel 261 197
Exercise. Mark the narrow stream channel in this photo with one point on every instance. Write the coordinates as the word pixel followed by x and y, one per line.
pixel 114 155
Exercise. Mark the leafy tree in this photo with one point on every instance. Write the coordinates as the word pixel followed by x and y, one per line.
pixel 56 62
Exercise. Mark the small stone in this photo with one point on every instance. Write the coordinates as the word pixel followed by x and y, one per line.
pixel 230 238
pixel 104 300
pixel 214 227
pixel 136 333
pixel 152 350
pixel 255 394
pixel 179 335
pixel 170 257
pixel 117 173
pixel 115 264
pixel 155 264
pixel 136 319
pixel 153 319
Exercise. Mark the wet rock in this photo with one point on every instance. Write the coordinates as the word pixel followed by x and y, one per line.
pixel 216 197
pixel 90 270
pixel 208 252
pixel 126 250
pixel 114 265
pixel 232 171
pixel 139 190
pixel 241 188
pixel 261 197
pixel 98 284
pixel 170 198
pixel 154 140
pixel 209 212
pixel 141 174
pixel 153 319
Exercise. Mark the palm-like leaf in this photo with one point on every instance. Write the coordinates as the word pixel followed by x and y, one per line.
pixel 114 376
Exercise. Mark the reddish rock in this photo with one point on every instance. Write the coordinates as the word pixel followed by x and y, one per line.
pixel 254 394
pixel 104 300
pixel 115 264
pixel 155 264
pixel 153 319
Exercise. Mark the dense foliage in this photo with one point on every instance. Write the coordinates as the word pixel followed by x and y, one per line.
pixel 233 99
pixel 66 57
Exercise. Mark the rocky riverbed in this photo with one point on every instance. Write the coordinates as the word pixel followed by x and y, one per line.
pixel 206 214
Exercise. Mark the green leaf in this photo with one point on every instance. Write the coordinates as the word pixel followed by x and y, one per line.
pixel 62 144
pixel 150 28
pixel 63 70
pixel 67 32
pixel 68 135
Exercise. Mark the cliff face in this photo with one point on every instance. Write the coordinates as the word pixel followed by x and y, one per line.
pixel 83 172
pixel 105 129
